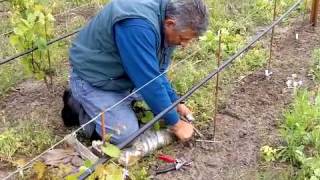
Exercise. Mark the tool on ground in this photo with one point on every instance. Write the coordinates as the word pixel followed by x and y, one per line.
pixel 176 164
pixel 190 118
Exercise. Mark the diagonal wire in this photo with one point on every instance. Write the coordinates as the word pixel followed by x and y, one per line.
pixel 35 48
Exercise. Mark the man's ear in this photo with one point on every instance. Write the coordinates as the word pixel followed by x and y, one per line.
pixel 170 23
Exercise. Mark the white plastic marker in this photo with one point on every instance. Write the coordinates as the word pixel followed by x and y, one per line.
pixel 268 73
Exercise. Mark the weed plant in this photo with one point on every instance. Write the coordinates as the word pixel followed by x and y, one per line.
pixel 25 139
pixel 301 133
pixel 315 70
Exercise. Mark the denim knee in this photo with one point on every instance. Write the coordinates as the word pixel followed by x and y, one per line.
pixel 121 134
pixel 124 133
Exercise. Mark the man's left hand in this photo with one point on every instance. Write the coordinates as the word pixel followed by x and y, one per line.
pixel 183 110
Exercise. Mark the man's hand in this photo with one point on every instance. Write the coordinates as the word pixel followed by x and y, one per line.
pixel 183 130
pixel 183 110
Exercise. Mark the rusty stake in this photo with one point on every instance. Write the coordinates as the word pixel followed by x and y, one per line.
pixel 217 86
pixel 103 129
pixel 272 35
pixel 314 12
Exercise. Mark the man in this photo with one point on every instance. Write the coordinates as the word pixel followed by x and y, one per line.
pixel 125 46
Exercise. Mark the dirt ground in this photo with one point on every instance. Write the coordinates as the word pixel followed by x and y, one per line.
pixel 249 120
pixel 252 114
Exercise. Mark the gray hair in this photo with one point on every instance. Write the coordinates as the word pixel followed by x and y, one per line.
pixel 189 14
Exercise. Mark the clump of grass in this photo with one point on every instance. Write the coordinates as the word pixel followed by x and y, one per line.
pixel 301 134
pixel 302 124
pixel 26 139
pixel 315 71
pixel 8 79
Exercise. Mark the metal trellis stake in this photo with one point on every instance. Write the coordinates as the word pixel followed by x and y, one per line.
pixel 103 129
pixel 216 92
pixel 268 71
pixel 314 12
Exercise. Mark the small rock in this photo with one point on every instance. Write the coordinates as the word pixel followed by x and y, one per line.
pixel 242 133
pixel 211 164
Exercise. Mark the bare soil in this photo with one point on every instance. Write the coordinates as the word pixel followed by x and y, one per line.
pixel 252 114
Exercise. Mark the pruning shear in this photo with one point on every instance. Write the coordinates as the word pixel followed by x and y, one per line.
pixel 176 164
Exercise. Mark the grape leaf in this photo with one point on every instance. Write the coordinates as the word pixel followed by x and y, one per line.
pixel 111 150
pixel 87 163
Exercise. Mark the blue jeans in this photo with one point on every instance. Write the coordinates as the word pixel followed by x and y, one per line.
pixel 120 122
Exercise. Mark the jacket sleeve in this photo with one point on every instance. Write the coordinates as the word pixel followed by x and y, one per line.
pixel 167 61
pixel 136 43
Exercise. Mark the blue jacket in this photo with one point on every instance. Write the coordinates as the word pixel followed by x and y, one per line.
pixel 100 56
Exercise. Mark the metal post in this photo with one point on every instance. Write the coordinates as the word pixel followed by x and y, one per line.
pixel 103 127
pixel 217 86
pixel 272 36
pixel 314 12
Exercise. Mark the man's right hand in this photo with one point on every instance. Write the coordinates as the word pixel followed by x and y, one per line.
pixel 183 130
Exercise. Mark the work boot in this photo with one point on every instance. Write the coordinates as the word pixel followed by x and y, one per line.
pixel 70 111
pixel 73 114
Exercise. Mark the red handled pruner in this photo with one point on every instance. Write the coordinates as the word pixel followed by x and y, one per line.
pixel 176 164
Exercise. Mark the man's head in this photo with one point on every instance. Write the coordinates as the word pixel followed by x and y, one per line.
pixel 185 20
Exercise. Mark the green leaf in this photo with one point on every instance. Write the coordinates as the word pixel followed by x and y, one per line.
pixel 82 169
pixel 72 177
pixel 19 31
pixel 317 172
pixel 148 116
pixel 87 163
pixel 111 150
pixel 41 43
pixel 50 18
pixel 156 126
pixel 14 40
pixel 26 23
pixel 314 178
pixel 110 171
pixel 31 17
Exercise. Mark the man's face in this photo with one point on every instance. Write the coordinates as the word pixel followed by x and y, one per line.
pixel 175 37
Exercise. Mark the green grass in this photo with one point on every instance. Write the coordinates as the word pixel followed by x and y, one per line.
pixel 315 70
pixel 25 139
pixel 10 75
pixel 301 134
